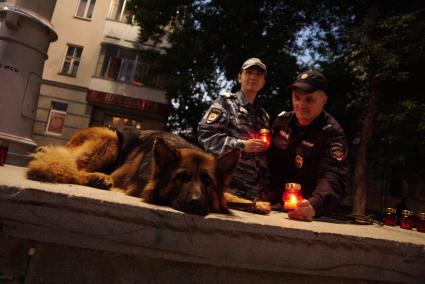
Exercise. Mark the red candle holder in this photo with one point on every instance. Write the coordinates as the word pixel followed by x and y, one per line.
pixel 265 136
pixel 291 196
pixel 390 217
pixel 4 147
pixel 406 221
pixel 420 222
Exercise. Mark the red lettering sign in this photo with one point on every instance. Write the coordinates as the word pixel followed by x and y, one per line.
pixel 127 102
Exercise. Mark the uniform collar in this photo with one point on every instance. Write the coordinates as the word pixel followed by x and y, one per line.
pixel 243 101
pixel 316 123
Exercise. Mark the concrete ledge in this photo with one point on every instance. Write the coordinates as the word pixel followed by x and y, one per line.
pixel 83 218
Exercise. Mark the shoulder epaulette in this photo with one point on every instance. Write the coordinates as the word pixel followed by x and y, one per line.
pixel 326 126
pixel 284 113
pixel 265 113
pixel 229 95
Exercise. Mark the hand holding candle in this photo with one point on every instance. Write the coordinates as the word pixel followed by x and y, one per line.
pixel 255 145
pixel 303 211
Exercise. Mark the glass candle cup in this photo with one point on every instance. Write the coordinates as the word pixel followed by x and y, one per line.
pixel 390 217
pixel 291 196
pixel 420 222
pixel 406 220
pixel 265 136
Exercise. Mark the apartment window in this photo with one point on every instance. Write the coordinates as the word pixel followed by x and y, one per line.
pixel 119 12
pixel 72 60
pixel 56 119
pixel 85 9
pixel 125 65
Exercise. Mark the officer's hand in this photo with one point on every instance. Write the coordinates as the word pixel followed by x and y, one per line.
pixel 255 145
pixel 303 211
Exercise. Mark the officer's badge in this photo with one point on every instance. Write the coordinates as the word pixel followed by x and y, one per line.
pixel 304 76
pixel 214 115
pixel 337 151
pixel 299 161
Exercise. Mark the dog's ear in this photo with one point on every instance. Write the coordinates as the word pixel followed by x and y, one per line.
pixel 228 161
pixel 163 153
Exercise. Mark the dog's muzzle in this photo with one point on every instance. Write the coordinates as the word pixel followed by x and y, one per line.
pixel 193 204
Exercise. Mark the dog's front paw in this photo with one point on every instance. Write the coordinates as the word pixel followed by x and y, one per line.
pixel 99 180
pixel 261 207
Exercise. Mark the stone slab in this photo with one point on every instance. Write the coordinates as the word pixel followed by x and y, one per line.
pixel 87 218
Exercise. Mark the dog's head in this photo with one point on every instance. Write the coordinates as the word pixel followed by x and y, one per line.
pixel 189 180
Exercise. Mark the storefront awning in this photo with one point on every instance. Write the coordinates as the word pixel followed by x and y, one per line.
pixel 127 102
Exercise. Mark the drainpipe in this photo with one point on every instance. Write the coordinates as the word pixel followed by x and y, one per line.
pixel 25 36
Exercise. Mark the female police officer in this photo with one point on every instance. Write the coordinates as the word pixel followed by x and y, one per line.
pixel 233 121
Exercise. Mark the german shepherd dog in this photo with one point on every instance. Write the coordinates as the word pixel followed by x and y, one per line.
pixel 160 167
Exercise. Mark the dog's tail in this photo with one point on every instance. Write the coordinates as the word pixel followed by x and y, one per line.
pixel 54 164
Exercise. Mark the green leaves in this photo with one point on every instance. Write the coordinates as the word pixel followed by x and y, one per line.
pixel 209 42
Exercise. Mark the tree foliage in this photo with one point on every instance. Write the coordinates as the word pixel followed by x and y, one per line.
pixel 382 51
pixel 209 42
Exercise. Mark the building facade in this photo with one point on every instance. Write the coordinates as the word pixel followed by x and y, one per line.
pixel 95 74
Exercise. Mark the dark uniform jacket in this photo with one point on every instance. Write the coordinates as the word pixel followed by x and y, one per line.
pixel 314 156
pixel 229 121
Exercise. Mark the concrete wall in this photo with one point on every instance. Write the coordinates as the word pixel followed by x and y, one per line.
pixel 113 87
pixel 77 31
pixel 84 235
pixel 77 117
pixel 52 263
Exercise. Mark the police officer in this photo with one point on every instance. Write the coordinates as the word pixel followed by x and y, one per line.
pixel 234 120
pixel 309 147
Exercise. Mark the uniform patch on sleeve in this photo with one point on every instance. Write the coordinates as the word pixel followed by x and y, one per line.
pixel 214 115
pixel 337 151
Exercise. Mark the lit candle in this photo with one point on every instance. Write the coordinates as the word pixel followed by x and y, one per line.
pixel 265 136
pixel 291 204
pixel 291 196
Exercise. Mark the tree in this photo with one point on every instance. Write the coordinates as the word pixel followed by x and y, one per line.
pixel 209 42
pixel 378 59
pixel 377 46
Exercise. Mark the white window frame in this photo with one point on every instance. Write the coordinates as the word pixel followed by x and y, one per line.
pixel 121 13
pixel 72 59
pixel 86 10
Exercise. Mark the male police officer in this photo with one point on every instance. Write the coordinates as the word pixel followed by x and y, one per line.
pixel 234 120
pixel 309 147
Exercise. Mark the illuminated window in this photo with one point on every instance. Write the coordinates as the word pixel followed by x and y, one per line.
pixel 72 60
pixel 121 122
pixel 85 9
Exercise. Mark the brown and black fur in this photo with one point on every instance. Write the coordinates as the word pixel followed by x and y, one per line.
pixel 160 167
